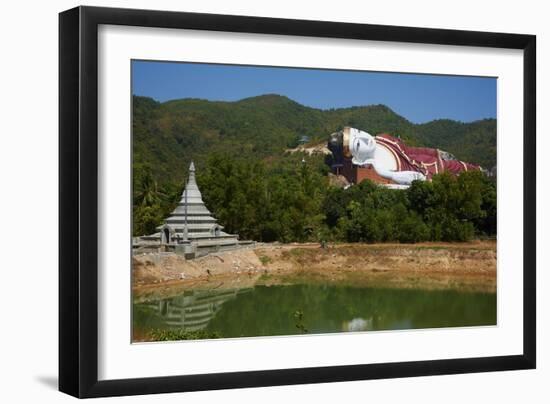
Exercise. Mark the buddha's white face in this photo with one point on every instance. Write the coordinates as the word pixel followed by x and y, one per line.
pixel 362 146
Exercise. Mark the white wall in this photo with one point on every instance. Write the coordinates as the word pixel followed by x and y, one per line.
pixel 28 173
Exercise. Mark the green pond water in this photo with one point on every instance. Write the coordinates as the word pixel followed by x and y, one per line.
pixel 313 309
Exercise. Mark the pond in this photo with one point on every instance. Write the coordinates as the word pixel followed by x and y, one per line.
pixel 312 309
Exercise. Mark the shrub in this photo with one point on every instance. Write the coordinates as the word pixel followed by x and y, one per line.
pixel 413 230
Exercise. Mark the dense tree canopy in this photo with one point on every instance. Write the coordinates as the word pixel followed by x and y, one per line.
pixel 290 199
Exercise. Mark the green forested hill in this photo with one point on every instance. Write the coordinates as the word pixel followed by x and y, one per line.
pixel 167 136
pixel 473 142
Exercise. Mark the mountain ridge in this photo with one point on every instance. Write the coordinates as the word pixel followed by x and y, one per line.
pixel 166 135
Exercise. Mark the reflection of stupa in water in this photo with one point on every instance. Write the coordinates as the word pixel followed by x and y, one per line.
pixel 191 229
pixel 193 310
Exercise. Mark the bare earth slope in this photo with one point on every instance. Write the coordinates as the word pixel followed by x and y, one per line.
pixel 427 265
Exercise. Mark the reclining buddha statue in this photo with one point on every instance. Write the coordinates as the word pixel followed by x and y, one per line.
pixel 390 158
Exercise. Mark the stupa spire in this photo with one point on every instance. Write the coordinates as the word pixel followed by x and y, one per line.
pixel 191 180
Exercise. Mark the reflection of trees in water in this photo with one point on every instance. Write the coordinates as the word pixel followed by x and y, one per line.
pixel 190 311
pixel 327 308
pixel 323 308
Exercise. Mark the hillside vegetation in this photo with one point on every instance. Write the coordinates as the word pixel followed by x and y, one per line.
pixel 259 192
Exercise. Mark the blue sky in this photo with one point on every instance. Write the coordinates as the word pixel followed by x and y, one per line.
pixel 419 98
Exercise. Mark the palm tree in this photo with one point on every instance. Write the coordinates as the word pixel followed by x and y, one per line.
pixel 148 193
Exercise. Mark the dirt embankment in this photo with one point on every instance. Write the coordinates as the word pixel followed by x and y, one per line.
pixel 163 267
pixel 426 265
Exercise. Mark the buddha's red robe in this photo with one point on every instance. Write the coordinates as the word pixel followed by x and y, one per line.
pixel 425 160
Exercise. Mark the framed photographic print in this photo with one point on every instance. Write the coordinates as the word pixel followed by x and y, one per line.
pixel 251 201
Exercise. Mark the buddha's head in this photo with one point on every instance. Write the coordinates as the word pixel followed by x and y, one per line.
pixel 352 143
pixel 361 145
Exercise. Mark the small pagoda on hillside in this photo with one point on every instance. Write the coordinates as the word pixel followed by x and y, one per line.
pixel 191 230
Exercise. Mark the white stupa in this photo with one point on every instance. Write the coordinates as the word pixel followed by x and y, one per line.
pixel 191 220
pixel 191 229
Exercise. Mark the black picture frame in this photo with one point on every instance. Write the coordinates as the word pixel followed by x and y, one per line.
pixel 78 201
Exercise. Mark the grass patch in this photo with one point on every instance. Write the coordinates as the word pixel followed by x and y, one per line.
pixel 264 277
pixel 180 335
pixel 294 253
pixel 264 259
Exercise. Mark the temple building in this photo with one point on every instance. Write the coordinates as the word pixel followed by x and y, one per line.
pixel 191 229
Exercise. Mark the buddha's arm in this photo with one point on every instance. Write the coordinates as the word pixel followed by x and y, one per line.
pixel 399 177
